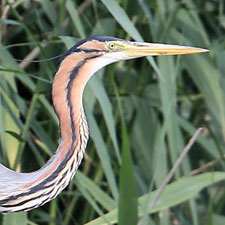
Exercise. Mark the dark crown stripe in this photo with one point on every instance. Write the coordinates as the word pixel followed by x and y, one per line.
pixel 102 38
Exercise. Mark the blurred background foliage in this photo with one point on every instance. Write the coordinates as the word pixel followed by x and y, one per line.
pixel 149 107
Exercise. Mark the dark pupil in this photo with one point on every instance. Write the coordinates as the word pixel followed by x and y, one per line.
pixel 112 45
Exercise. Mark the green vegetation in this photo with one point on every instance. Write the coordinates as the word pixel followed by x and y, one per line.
pixel 141 112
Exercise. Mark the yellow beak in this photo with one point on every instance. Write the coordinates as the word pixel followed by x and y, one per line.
pixel 138 49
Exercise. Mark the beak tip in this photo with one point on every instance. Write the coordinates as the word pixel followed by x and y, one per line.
pixel 204 50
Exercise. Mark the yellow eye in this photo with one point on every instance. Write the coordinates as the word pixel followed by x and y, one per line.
pixel 114 46
pixel 111 45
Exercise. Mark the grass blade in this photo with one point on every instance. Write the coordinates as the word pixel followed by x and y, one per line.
pixel 175 193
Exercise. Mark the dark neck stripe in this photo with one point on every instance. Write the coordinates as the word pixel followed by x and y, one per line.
pixel 69 153
pixel 72 76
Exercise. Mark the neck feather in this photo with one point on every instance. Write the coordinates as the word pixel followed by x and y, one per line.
pixel 25 191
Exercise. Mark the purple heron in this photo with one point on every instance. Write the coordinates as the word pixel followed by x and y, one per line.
pixel 25 191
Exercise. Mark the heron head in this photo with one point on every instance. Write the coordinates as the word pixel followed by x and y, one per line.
pixel 106 50
pixel 131 49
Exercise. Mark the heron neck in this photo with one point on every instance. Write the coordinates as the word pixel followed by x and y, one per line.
pixel 68 86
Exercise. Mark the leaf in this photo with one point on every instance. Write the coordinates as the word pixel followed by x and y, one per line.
pixel 106 107
pixel 7 21
pixel 100 196
pixel 19 218
pixel 49 10
pixel 175 193
pixel 128 194
pixel 102 152
pixel 15 135
pixel 120 15
pixel 75 18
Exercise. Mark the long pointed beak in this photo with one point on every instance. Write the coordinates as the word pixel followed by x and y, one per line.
pixel 138 49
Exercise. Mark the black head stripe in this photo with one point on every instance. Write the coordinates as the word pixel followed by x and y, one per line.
pixel 97 38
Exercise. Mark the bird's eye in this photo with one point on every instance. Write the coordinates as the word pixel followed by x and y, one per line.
pixel 111 46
